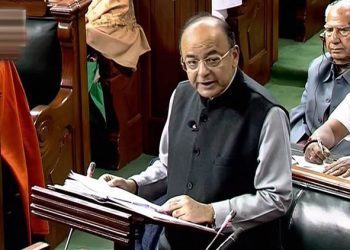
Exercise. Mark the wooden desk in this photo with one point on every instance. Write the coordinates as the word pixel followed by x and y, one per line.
pixel 119 221
pixel 87 216
pixel 323 181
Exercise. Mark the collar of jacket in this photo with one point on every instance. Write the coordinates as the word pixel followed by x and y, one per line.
pixel 234 93
pixel 331 74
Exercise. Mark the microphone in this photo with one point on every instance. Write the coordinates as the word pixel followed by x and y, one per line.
pixel 231 239
pixel 228 218
pixel 193 125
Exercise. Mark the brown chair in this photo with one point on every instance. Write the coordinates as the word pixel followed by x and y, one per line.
pixel 52 68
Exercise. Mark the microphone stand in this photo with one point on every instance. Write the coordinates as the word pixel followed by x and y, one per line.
pixel 231 239
pixel 227 219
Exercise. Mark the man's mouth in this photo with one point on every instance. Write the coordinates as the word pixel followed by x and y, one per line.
pixel 206 83
pixel 336 49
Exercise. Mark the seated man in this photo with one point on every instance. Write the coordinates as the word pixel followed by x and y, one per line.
pixel 328 78
pixel 225 147
pixel 329 134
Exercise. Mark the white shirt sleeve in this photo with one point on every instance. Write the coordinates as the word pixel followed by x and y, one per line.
pixel 342 112
pixel 273 178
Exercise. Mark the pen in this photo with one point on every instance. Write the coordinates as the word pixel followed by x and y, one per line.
pixel 321 146
pixel 91 169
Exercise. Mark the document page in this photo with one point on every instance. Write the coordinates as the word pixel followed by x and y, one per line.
pixel 111 192
pixel 301 162
pixel 101 192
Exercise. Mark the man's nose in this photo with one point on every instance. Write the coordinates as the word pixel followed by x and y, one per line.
pixel 335 36
pixel 203 68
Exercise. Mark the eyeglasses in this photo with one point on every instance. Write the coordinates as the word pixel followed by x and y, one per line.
pixel 343 31
pixel 211 61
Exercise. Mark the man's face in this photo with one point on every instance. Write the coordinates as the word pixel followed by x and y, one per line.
pixel 337 34
pixel 205 40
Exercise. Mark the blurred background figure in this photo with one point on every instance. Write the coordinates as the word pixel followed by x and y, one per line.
pixel 12 33
pixel 111 29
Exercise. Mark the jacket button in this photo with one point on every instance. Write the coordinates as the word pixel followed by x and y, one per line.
pixel 189 185
pixel 203 118
pixel 196 151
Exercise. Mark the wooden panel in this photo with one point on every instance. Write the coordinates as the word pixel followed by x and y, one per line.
pixel 310 19
pixel 161 70
pixel 124 87
pixel 70 147
pixel 301 19
pixel 311 177
pixel 85 215
pixel 253 25
pixel 164 53
pixel 72 38
pixel 275 33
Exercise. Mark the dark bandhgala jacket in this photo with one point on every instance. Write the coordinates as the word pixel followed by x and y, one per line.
pixel 213 151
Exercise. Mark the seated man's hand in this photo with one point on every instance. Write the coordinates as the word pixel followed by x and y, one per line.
pixel 314 153
pixel 341 167
pixel 186 208
pixel 115 181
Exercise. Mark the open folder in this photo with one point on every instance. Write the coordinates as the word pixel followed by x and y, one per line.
pixel 101 193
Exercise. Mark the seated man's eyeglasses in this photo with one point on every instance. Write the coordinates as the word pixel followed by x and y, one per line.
pixel 211 61
pixel 343 31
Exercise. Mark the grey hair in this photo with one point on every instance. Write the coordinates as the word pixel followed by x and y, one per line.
pixel 333 5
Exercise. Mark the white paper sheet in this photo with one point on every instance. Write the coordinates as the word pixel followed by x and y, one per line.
pixel 103 193
pixel 301 162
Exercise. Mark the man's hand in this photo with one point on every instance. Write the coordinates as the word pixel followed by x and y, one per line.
pixel 341 167
pixel 315 154
pixel 115 181
pixel 186 208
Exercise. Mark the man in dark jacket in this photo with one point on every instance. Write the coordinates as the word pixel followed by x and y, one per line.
pixel 225 146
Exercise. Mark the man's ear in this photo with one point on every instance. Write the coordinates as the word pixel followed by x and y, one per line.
pixel 235 52
pixel 235 49
pixel 323 36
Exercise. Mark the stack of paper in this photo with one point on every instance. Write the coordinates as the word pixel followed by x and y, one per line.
pixel 101 192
